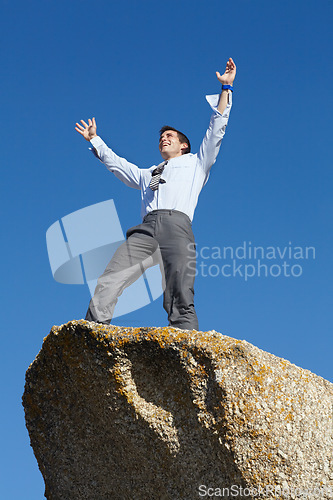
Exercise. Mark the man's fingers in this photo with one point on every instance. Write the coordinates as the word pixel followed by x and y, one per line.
pixel 79 131
pixel 90 122
pixel 94 122
pixel 230 66
pixel 232 63
pixel 79 126
pixel 84 123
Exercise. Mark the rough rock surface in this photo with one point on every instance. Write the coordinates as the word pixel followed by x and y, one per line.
pixel 162 413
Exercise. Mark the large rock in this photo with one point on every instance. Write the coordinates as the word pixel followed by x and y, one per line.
pixel 161 413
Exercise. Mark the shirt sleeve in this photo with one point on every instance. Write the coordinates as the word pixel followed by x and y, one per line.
pixel 211 143
pixel 127 172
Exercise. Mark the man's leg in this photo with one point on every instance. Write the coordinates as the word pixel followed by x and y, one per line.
pixel 176 240
pixel 128 263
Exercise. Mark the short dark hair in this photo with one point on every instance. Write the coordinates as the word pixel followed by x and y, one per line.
pixel 182 137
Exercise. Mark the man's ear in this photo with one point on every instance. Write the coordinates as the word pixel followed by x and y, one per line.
pixel 183 145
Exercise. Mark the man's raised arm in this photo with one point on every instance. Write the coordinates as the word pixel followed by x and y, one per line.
pixel 125 171
pixel 221 105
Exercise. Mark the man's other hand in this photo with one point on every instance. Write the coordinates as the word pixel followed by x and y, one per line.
pixel 88 130
pixel 229 75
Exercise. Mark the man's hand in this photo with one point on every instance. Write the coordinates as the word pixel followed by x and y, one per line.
pixel 229 75
pixel 226 79
pixel 88 130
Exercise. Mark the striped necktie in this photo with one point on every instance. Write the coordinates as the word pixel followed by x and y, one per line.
pixel 156 176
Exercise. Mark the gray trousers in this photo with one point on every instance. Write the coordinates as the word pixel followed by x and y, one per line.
pixel 164 237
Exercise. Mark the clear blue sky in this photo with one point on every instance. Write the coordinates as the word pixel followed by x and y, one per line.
pixel 137 65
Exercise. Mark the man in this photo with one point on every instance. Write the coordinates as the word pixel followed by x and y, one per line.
pixel 169 195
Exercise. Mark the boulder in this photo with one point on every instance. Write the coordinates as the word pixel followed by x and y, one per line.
pixel 162 413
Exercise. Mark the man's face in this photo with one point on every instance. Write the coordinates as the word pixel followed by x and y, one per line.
pixel 170 145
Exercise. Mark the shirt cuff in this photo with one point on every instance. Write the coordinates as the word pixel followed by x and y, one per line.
pixel 96 141
pixel 213 101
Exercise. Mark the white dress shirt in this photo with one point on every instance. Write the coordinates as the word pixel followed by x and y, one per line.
pixel 184 175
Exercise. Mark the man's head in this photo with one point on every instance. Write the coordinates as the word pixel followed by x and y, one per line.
pixel 173 143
